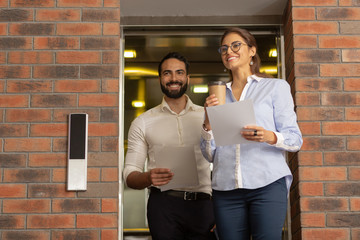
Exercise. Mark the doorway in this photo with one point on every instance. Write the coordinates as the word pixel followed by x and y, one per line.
pixel 144 48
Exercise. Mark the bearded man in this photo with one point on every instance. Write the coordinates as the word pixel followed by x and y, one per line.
pixel 185 212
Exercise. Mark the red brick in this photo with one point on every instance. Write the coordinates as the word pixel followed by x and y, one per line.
pixel 109 145
pixel 13 101
pixel 27 144
pixel 99 71
pixel 3 60
pixel 111 3
pixel 12 190
pixel 13 130
pixel 96 221
pixel 342 158
pixel 49 191
pixel 26 206
pixel 325 233
pixel 310 158
pixel 318 84
pixel 317 55
pixel 103 129
pixel 355 233
pixel 76 205
pixel 34 3
pixel 103 43
pixel 354 175
pixel 111 29
pixel 312 220
pixel 47 159
pixel 109 205
pixel 77 86
pixel 31 29
pixel 59 175
pixel 323 173
pixel 57 71
pixel 26 175
pixel 341 128
pixel 338 13
pixel 62 15
pixel 78 57
pixel 98 100
pixel 339 41
pixel 352 84
pixel 303 13
pixel 310 128
pixel 347 220
pixel 323 204
pixel 340 99
pixel 101 15
pixel 3 29
pixel 51 221
pixel 4 3
pixel 93 174
pixel 12 160
pixel 346 189
pixel 30 57
pixel 16 43
pixel 308 3
pixel 353 143
pixel 109 234
pixel 110 85
pixel 12 221
pixel 26 234
pixel 14 71
pixel 349 27
pixel 315 27
pixel 355 204
pixel 75 234
pixel 110 57
pixel 345 3
pixel 344 70
pixel 48 130
pixel 28 86
pixel 319 113
pixel 323 143
pixel 307 99
pixel 109 174
pixel 78 29
pixel 352 55
pixel 305 42
pixel 53 101
pixel 307 70
pixel 28 115
pixel 311 189
pixel 56 43
pixel 79 3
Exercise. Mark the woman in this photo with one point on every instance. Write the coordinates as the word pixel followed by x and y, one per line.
pixel 251 181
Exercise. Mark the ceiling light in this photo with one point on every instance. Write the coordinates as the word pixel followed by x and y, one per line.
pixel 200 89
pixel 273 53
pixel 138 104
pixel 135 71
pixel 129 54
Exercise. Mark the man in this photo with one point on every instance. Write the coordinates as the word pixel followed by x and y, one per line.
pixel 181 213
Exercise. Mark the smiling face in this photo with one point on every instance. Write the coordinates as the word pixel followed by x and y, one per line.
pixel 240 59
pixel 173 78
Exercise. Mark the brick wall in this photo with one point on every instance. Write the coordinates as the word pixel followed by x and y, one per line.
pixel 58 57
pixel 323 64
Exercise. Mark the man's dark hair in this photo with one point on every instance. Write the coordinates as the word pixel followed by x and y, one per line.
pixel 177 56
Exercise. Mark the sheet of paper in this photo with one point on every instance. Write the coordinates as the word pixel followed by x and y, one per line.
pixel 228 120
pixel 182 162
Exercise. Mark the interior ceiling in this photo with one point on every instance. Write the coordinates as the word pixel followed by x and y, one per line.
pixel 161 8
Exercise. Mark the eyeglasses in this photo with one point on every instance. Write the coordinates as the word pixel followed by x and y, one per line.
pixel 235 47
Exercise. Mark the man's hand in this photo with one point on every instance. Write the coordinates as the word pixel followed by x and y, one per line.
pixel 160 176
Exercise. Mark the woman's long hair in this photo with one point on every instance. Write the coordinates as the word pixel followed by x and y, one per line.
pixel 251 42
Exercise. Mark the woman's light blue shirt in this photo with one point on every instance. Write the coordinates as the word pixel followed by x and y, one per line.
pixel 254 165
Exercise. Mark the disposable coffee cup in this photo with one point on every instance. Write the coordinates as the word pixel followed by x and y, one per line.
pixel 219 89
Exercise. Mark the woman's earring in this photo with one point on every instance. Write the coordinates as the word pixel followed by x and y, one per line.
pixel 225 70
pixel 251 63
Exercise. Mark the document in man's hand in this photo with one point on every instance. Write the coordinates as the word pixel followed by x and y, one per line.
pixel 227 121
pixel 182 162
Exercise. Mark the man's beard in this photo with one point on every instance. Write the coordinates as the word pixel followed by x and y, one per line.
pixel 174 94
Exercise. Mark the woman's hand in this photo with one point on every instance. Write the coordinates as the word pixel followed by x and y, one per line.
pixel 258 134
pixel 209 102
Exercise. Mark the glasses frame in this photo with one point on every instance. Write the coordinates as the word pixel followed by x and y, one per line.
pixel 226 47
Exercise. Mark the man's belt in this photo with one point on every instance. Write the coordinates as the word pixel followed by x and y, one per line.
pixel 182 194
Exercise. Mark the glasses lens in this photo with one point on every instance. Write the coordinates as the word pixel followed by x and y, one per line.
pixel 235 46
pixel 223 49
